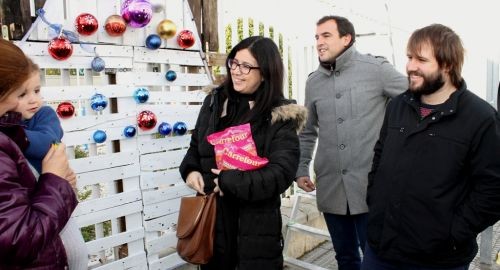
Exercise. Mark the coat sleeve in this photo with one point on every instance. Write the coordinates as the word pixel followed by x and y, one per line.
pixel 271 180
pixel 191 161
pixel 31 218
pixel 379 146
pixel 308 136
pixel 44 130
pixel 482 206
pixel 394 82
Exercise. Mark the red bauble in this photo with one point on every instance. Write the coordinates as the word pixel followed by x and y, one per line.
pixel 146 120
pixel 65 110
pixel 60 48
pixel 86 24
pixel 115 25
pixel 185 39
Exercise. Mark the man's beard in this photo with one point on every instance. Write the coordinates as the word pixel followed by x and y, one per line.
pixel 431 84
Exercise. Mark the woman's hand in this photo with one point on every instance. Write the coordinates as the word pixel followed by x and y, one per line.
pixel 216 181
pixel 194 180
pixel 56 162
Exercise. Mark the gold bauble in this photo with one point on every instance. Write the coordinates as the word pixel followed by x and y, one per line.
pixel 166 29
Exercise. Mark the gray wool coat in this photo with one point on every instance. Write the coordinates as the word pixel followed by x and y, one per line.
pixel 346 109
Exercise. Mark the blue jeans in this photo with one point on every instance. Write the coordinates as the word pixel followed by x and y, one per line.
pixel 348 234
pixel 372 262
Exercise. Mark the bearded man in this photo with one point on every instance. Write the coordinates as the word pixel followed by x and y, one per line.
pixel 435 179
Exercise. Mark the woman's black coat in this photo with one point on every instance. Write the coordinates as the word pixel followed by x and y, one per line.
pixel 248 224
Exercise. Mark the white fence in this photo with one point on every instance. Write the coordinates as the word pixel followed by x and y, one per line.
pixel 130 185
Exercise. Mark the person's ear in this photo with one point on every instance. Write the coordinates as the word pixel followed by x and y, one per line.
pixel 346 39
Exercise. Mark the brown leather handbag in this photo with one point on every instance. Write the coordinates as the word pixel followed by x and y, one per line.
pixel 195 228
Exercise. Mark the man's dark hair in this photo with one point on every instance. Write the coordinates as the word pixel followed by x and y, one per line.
pixel 446 45
pixel 344 26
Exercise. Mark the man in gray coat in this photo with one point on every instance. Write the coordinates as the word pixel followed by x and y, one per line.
pixel 346 98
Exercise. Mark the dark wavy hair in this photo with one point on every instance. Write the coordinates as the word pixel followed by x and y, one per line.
pixel 15 68
pixel 446 45
pixel 270 91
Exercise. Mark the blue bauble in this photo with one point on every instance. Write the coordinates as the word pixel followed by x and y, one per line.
pixel 98 102
pixel 164 128
pixel 141 95
pixel 129 131
pixel 99 136
pixel 180 128
pixel 171 76
pixel 153 42
pixel 98 64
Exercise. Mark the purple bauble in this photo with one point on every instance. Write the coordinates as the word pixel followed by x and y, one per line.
pixel 137 13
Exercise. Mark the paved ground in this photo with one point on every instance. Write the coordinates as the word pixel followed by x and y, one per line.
pixel 324 255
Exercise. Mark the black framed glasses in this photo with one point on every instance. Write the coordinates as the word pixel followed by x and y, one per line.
pixel 244 68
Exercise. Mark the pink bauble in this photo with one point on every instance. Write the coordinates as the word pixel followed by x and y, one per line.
pixel 65 110
pixel 146 120
pixel 86 24
pixel 60 48
pixel 115 25
pixel 185 39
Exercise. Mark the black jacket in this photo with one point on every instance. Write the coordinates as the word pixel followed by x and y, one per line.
pixel 435 183
pixel 248 224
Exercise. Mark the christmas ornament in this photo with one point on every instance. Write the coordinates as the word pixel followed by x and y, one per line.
pixel 146 120
pixel 164 128
pixel 185 39
pixel 98 102
pixel 115 25
pixel 166 29
pixel 180 128
pixel 65 110
pixel 129 131
pixel 170 75
pixel 99 136
pixel 86 24
pixel 153 42
pixel 98 64
pixel 141 95
pixel 60 48
pixel 137 13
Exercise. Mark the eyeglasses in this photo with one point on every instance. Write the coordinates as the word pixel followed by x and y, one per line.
pixel 244 68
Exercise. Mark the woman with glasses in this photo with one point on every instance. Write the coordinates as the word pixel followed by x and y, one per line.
pixel 248 222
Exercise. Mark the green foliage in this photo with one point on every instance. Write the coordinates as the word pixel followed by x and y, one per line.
pixel 290 68
pixel 280 44
pixel 271 32
pixel 229 38
pixel 250 27
pixel 53 71
pixel 88 232
pixel 239 24
pixel 80 152
pixel 261 29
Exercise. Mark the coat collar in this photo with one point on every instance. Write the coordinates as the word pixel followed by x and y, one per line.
pixel 284 112
pixel 341 62
pixel 290 112
pixel 449 107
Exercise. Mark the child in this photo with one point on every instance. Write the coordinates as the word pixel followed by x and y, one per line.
pixel 43 128
pixel 42 125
